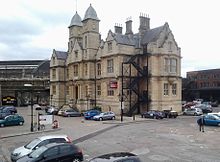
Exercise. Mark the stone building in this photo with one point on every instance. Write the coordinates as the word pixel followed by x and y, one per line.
pixel 132 71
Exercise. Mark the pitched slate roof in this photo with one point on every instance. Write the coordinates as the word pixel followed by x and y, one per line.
pixel 151 35
pixel 60 54
pixel 125 39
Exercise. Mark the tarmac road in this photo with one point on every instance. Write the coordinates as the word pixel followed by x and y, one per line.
pixel 153 140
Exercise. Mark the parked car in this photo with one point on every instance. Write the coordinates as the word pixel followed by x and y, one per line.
pixel 206 108
pixel 4 113
pixel 37 107
pixel 105 116
pixel 215 113
pixel 91 113
pixel 117 157
pixel 214 103
pixel 11 109
pixel 50 110
pixel 193 111
pixel 212 120
pixel 70 113
pixel 54 152
pixel 154 114
pixel 36 143
pixel 170 113
pixel 11 120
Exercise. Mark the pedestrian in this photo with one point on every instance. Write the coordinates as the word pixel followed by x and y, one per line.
pixel 201 123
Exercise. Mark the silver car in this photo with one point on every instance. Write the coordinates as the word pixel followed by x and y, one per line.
pixel 105 116
pixel 36 143
pixel 193 111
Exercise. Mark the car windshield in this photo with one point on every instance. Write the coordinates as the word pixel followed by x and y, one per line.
pixel 32 143
pixel 38 152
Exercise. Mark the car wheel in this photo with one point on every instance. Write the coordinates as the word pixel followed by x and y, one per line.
pixel 195 114
pixel 100 119
pixel 76 160
pixel 68 115
pixel 2 125
pixel 218 124
pixel 113 118
pixel 20 123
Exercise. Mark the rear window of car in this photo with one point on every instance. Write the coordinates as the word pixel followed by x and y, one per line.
pixel 57 140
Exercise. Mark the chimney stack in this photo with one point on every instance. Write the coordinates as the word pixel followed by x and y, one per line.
pixel 128 26
pixel 144 23
pixel 118 28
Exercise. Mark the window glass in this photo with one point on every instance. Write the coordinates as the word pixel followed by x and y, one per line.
pixel 110 66
pixel 65 149
pixel 51 152
pixel 165 89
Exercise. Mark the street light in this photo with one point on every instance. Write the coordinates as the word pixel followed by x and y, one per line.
pixel 31 92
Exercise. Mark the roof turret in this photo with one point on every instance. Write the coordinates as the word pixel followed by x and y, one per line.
pixel 91 14
pixel 76 20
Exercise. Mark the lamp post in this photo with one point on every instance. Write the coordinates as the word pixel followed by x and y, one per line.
pixel 32 120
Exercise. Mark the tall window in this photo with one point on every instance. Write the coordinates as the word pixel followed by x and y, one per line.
pixel 98 69
pixel 173 66
pixel 54 73
pixel 67 73
pixel 85 41
pixel 110 66
pixel 75 70
pixel 99 90
pixel 170 65
pixel 165 89
pixel 67 90
pixel 109 46
pixel 54 90
pixel 76 54
pixel 174 89
pixel 86 69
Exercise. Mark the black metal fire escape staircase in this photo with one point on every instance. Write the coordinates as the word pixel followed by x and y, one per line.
pixel 134 83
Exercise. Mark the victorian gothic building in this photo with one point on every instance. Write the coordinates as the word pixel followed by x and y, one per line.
pixel 132 71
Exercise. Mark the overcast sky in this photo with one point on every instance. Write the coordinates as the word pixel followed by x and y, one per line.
pixel 31 29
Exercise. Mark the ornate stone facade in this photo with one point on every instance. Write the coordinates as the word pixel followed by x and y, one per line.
pixel 94 72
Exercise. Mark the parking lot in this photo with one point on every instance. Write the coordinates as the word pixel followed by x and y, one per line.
pixel 153 140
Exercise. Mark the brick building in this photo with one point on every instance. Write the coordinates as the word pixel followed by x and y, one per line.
pixel 134 71
pixel 203 84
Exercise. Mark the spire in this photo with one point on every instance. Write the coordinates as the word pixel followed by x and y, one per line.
pixel 76 20
pixel 91 14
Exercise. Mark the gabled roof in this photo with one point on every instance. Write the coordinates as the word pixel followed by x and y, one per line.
pixel 152 35
pixel 60 54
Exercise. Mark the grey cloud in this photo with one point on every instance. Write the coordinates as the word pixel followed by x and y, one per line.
pixel 17 31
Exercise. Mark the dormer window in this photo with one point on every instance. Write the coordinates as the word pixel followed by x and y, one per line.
pixel 76 54
pixel 109 46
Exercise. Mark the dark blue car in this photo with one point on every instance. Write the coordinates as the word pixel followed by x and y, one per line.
pixel 89 114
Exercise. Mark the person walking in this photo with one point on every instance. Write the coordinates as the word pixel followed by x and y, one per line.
pixel 201 123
